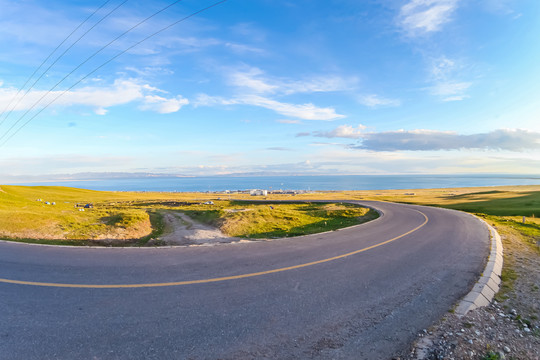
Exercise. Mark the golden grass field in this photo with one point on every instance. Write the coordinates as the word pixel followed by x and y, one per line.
pixel 134 217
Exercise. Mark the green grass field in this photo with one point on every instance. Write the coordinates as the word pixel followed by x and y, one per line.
pixel 253 220
pixel 22 216
pixel 134 217
pixel 129 218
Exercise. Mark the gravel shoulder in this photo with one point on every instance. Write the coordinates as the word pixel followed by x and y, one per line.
pixel 508 328
pixel 180 229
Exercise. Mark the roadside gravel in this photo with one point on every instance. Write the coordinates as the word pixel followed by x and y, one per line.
pixel 506 329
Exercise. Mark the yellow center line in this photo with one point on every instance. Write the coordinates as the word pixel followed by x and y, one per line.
pixel 225 278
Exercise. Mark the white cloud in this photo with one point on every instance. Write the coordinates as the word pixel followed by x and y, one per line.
pixel 451 91
pixel 163 105
pixel 425 16
pixel 251 79
pixel 444 74
pixel 254 79
pixel 288 121
pixel 515 140
pixel 342 131
pixel 374 101
pixel 256 89
pixel 442 67
pixel 122 91
pixel 100 111
pixel 301 111
pixel 208 100
pixel 429 140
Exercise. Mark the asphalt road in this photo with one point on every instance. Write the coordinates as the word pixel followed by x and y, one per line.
pixel 377 286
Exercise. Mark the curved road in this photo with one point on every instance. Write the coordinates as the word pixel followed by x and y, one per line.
pixel 357 293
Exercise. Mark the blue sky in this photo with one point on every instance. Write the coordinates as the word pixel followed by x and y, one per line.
pixel 271 86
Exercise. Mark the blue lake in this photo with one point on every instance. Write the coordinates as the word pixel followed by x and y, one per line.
pixel 337 182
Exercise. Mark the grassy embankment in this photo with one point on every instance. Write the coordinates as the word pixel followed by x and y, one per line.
pixel 271 220
pixel 133 218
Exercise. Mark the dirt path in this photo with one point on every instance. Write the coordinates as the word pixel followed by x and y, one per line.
pixel 180 229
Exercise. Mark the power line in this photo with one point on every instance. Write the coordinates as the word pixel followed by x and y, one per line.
pixel 105 63
pixel 61 55
pixel 86 60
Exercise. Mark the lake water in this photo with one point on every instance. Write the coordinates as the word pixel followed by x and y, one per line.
pixel 338 182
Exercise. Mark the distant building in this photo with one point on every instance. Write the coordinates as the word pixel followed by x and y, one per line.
pixel 257 192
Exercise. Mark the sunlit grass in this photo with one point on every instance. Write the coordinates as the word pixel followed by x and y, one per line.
pixel 126 215
pixel 135 216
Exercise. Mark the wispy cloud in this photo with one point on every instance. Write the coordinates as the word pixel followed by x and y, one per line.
pixel 306 111
pixel 442 67
pixel 444 74
pixel 242 48
pixel 451 91
pixel 302 111
pixel 208 100
pixel 288 121
pixel 254 88
pixel 425 16
pixel 342 131
pixel 255 80
pixel 278 148
pixel 252 79
pixel 148 71
pixel 374 101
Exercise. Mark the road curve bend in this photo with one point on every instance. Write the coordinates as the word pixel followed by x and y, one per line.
pixel 362 292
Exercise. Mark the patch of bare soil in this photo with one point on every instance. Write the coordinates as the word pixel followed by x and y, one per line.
pixel 142 228
pixel 508 329
pixel 180 229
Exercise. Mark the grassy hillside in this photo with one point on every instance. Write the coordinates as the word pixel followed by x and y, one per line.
pixel 253 220
pixel 134 217
pixel 51 215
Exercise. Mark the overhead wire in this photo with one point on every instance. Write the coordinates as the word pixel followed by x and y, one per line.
pixel 49 56
pixel 59 57
pixel 86 60
pixel 102 65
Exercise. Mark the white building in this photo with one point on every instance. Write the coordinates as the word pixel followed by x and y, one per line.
pixel 257 192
